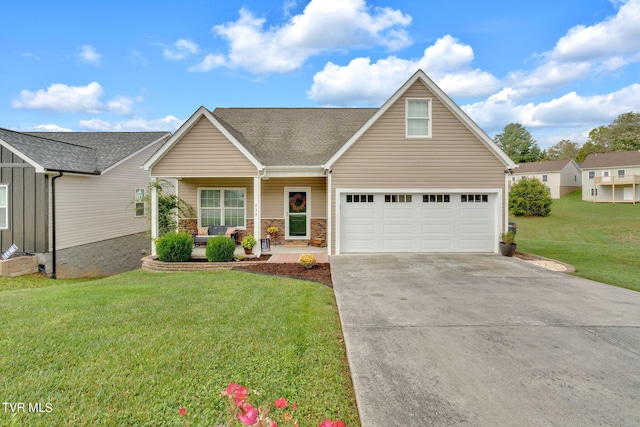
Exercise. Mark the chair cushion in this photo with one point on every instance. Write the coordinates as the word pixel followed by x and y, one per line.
pixel 230 231
pixel 215 230
pixel 203 231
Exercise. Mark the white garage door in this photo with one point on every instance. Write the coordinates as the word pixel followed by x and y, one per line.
pixel 417 222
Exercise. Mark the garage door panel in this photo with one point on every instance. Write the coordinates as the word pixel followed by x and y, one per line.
pixel 457 222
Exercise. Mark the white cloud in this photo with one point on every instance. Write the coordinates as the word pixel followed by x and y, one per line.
pixel 570 110
pixel 209 63
pixel 61 98
pixel 323 25
pixel 182 49
pixel 168 123
pixel 88 54
pixel 52 128
pixel 616 36
pixel 447 62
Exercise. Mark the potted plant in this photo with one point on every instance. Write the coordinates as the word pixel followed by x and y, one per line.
pixel 273 231
pixel 507 244
pixel 248 242
pixel 307 260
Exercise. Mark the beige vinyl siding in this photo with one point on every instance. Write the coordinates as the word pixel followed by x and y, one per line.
pixel 92 208
pixel 384 158
pixel 203 151
pixel 273 196
pixel 188 190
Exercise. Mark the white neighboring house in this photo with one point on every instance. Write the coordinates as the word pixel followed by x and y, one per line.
pixel 560 176
pixel 611 177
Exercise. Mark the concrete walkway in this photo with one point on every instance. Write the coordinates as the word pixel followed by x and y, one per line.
pixel 483 340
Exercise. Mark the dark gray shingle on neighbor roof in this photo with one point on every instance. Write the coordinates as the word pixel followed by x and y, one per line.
pixel 617 158
pixel 52 154
pixel 110 147
pixel 293 136
pixel 548 166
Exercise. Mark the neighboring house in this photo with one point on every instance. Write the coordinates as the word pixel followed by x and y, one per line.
pixel 416 175
pixel 611 177
pixel 75 199
pixel 560 176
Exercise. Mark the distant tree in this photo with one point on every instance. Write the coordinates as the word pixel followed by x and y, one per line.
pixel 518 144
pixel 623 134
pixel 563 150
pixel 529 197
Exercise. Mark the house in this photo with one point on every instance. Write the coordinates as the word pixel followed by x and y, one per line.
pixel 76 199
pixel 415 175
pixel 560 176
pixel 611 177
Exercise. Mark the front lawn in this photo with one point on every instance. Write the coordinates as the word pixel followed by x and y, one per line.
pixel 134 348
pixel 602 241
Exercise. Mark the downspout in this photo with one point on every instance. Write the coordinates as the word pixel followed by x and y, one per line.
pixel 507 174
pixel 53 221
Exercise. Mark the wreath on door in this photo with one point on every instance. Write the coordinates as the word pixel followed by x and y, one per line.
pixel 298 202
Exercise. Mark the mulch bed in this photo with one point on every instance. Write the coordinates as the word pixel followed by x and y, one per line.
pixel 319 273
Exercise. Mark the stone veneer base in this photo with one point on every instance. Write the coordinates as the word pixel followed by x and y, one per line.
pixel 151 263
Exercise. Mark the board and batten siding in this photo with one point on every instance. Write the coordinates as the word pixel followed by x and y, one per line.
pixel 93 208
pixel 383 157
pixel 27 205
pixel 203 151
pixel 273 206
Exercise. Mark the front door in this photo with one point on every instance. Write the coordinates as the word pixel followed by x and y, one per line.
pixel 297 212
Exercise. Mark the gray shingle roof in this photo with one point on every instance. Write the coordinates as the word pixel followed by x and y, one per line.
pixel 618 158
pixel 293 136
pixel 110 147
pixel 535 167
pixel 52 154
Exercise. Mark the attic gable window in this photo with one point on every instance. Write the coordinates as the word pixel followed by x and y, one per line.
pixel 418 111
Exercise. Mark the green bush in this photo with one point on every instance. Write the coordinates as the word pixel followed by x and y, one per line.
pixel 220 249
pixel 174 247
pixel 529 197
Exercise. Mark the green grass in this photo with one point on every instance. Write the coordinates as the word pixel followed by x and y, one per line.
pixel 602 241
pixel 134 348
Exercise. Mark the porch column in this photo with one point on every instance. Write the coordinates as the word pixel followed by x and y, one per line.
pixel 257 221
pixel 154 215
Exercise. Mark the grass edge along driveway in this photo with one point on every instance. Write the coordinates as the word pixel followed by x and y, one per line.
pixel 133 349
pixel 601 240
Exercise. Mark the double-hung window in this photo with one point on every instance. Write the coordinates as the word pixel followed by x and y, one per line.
pixel 418 112
pixel 222 206
pixel 4 207
pixel 139 201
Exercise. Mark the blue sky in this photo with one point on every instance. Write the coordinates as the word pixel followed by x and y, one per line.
pixel 560 68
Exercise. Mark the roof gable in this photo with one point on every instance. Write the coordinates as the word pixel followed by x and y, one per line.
pixel 452 106
pixel 231 134
pixel 613 159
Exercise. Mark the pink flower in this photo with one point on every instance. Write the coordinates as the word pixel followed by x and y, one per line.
pixel 182 412
pixel 273 424
pixel 329 423
pixel 325 423
pixel 338 423
pixel 294 406
pixel 281 403
pixel 237 392
pixel 248 415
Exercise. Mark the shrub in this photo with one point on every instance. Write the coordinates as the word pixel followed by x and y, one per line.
pixel 529 197
pixel 174 247
pixel 508 238
pixel 220 249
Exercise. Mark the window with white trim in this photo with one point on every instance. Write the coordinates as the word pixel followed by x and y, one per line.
pixel 592 174
pixel 545 178
pixel 359 198
pixel 474 198
pixel 621 173
pixel 418 111
pixel 4 206
pixel 436 198
pixel 605 173
pixel 139 197
pixel 222 206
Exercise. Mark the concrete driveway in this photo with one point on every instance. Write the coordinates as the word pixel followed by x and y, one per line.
pixel 483 340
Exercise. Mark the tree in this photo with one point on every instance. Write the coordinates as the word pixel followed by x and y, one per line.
pixel 623 134
pixel 518 144
pixel 529 197
pixel 563 150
